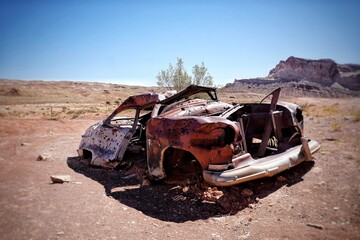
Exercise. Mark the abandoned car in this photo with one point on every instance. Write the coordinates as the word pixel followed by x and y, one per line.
pixel 232 143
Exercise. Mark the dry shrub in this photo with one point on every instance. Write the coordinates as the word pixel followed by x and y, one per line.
pixel 76 113
pixel 330 110
pixel 308 108
pixel 322 111
pixel 335 126
pixel 356 115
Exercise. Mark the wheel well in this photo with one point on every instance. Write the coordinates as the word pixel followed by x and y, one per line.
pixel 180 161
pixel 87 154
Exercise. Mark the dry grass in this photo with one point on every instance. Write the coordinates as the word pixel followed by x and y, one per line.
pixel 59 100
pixel 331 110
pixel 65 92
pixel 335 126
pixel 307 107
pixel 56 112
pixel 355 115
pixel 323 111
pixel 82 99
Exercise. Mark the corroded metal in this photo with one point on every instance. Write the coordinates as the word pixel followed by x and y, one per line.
pixel 231 143
pixel 208 139
pixel 103 142
pixel 106 142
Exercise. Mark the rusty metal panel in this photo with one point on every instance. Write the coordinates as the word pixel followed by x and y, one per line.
pixel 194 107
pixel 103 142
pixel 190 134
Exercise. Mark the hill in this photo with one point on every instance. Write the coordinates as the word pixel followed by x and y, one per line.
pixel 305 77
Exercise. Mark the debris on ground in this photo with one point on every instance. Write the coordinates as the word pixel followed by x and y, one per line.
pixel 211 194
pixel 43 157
pixel 247 193
pixel 318 226
pixel 60 178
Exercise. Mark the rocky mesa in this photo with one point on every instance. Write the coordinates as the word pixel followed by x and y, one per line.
pixel 305 77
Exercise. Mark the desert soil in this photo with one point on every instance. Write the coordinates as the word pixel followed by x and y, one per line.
pixel 319 199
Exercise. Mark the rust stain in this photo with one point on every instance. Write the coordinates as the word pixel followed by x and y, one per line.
pixel 232 143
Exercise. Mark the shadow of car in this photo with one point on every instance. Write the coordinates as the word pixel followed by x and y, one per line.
pixel 168 202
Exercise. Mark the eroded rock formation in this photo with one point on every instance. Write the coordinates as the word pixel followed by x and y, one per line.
pixel 298 76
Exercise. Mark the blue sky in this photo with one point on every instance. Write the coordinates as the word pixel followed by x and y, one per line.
pixel 129 42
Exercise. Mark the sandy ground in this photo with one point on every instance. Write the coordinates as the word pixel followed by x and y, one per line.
pixel 315 200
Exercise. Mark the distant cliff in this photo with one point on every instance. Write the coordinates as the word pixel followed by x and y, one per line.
pixel 349 76
pixel 297 76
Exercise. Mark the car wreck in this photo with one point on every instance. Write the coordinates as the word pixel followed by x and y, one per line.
pixel 231 143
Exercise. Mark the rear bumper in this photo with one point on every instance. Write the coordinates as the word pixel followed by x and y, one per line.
pixel 263 167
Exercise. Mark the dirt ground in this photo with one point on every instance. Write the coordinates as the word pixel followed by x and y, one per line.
pixel 315 200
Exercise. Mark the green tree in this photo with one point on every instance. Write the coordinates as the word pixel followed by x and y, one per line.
pixel 201 76
pixel 178 78
pixel 165 77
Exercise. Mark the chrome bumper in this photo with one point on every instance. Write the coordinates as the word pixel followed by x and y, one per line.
pixel 263 167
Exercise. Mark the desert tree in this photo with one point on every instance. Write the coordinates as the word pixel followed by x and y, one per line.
pixel 177 77
pixel 165 77
pixel 201 76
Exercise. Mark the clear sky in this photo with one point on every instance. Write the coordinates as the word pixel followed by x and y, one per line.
pixel 129 42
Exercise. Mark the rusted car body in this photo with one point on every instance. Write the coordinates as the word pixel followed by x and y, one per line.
pixel 231 143
pixel 106 142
